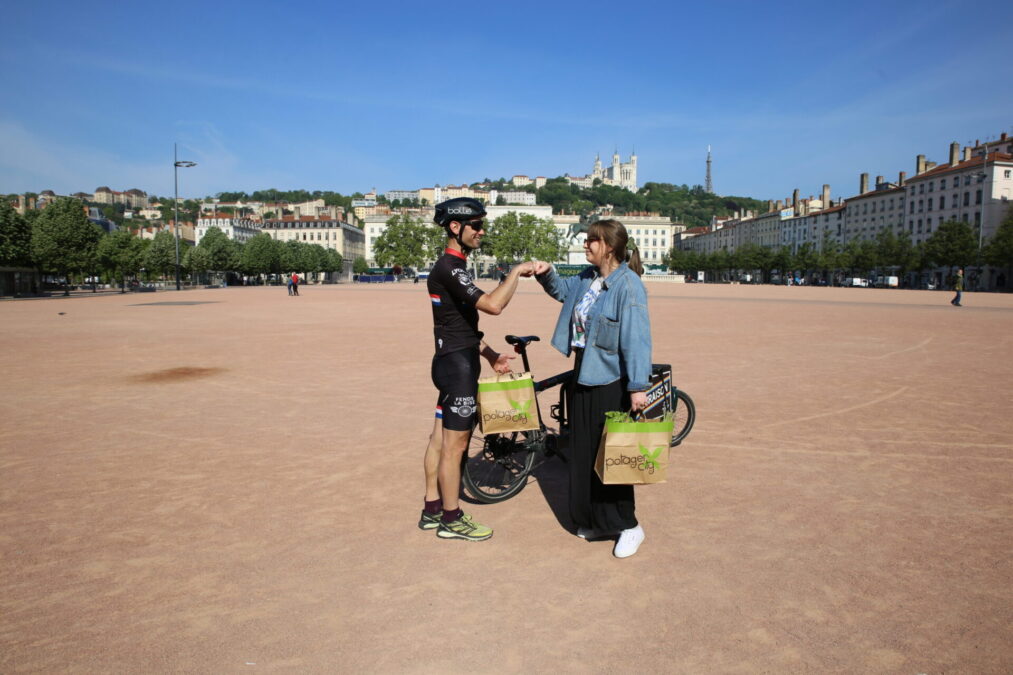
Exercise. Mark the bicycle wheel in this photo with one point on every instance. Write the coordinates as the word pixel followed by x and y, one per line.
pixel 496 466
pixel 684 414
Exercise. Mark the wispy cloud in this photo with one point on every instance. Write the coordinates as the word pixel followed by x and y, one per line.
pixel 31 162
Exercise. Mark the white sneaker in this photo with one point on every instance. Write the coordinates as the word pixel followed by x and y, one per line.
pixel 629 541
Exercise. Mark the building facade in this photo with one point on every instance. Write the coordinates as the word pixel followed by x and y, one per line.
pixel 620 174
pixel 237 229
pixel 329 233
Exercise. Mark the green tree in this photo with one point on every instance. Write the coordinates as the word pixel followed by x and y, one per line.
pixel 514 237
pixel 15 237
pixel 334 262
pixel 198 261
pixel 291 256
pixel 312 258
pixel 999 251
pixel 953 244
pixel 359 265
pixel 261 255
pixel 121 253
pixel 436 241
pixel 64 241
pixel 219 249
pixel 806 258
pixel 404 242
pixel 161 254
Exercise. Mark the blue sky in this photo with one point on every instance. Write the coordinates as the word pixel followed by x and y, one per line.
pixel 348 97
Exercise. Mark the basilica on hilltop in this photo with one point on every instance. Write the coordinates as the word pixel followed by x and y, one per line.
pixel 620 174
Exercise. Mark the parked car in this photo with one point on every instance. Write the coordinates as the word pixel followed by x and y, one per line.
pixel 856 282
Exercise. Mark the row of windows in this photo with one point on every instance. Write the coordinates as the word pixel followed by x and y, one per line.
pixel 291 225
pixel 927 204
pixel 955 182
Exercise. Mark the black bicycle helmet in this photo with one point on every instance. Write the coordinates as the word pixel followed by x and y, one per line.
pixel 459 209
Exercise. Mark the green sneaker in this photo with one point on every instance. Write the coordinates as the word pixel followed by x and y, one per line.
pixel 464 528
pixel 430 521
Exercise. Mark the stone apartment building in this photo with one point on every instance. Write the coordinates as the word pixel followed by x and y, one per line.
pixel 237 229
pixel 135 199
pixel 330 233
pixel 975 186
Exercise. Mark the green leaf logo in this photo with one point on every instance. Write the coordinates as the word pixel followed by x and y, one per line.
pixel 650 458
pixel 522 406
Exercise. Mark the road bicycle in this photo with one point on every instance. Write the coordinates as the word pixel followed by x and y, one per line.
pixel 496 467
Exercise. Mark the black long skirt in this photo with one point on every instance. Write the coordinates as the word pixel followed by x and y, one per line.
pixel 593 504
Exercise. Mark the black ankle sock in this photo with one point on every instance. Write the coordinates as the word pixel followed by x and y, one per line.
pixel 434 506
pixel 451 516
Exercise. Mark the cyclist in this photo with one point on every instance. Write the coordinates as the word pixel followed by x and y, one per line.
pixel 604 323
pixel 456 302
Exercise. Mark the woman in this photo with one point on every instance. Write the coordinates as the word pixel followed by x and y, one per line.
pixel 604 323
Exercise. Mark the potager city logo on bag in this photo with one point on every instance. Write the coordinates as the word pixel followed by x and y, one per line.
pixel 634 452
pixel 505 403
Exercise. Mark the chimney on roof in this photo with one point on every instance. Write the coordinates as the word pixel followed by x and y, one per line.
pixel 863 183
pixel 879 181
pixel 954 154
pixel 794 199
pixel 902 178
pixel 825 197
pixel 967 154
pixel 770 205
pixel 1002 137
pixel 929 166
pixel 919 165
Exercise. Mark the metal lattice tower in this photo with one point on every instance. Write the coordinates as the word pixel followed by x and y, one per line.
pixel 709 187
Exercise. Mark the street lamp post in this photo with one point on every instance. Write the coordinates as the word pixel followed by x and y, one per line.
pixel 176 164
pixel 982 177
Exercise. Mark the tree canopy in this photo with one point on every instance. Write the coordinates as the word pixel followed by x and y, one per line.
pixel 406 241
pixel 121 253
pixel 64 241
pixel 15 237
pixel 953 244
pixel 513 237
pixel 999 252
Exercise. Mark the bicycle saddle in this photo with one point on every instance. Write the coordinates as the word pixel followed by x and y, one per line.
pixel 521 341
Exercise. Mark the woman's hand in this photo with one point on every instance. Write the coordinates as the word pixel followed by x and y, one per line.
pixel 638 400
pixel 525 269
pixel 540 267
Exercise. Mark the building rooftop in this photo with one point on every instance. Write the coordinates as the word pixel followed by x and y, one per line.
pixel 961 166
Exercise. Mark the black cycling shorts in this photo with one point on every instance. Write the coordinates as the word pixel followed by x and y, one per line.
pixel 456 376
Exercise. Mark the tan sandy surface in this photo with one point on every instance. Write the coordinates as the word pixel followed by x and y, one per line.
pixel 234 485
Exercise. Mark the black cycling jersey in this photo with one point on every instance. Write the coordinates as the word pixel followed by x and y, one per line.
pixel 453 295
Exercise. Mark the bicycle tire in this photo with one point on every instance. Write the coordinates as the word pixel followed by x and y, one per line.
pixel 496 466
pixel 684 415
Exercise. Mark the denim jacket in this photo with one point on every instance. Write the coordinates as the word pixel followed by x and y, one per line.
pixel 618 327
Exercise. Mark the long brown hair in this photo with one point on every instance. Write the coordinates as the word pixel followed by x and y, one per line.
pixel 615 236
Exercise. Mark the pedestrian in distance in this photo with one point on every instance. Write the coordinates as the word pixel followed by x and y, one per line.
pixel 289 284
pixel 605 325
pixel 958 286
pixel 456 302
pixel 295 284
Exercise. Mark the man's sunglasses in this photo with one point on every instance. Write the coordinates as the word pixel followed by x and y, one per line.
pixel 476 224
